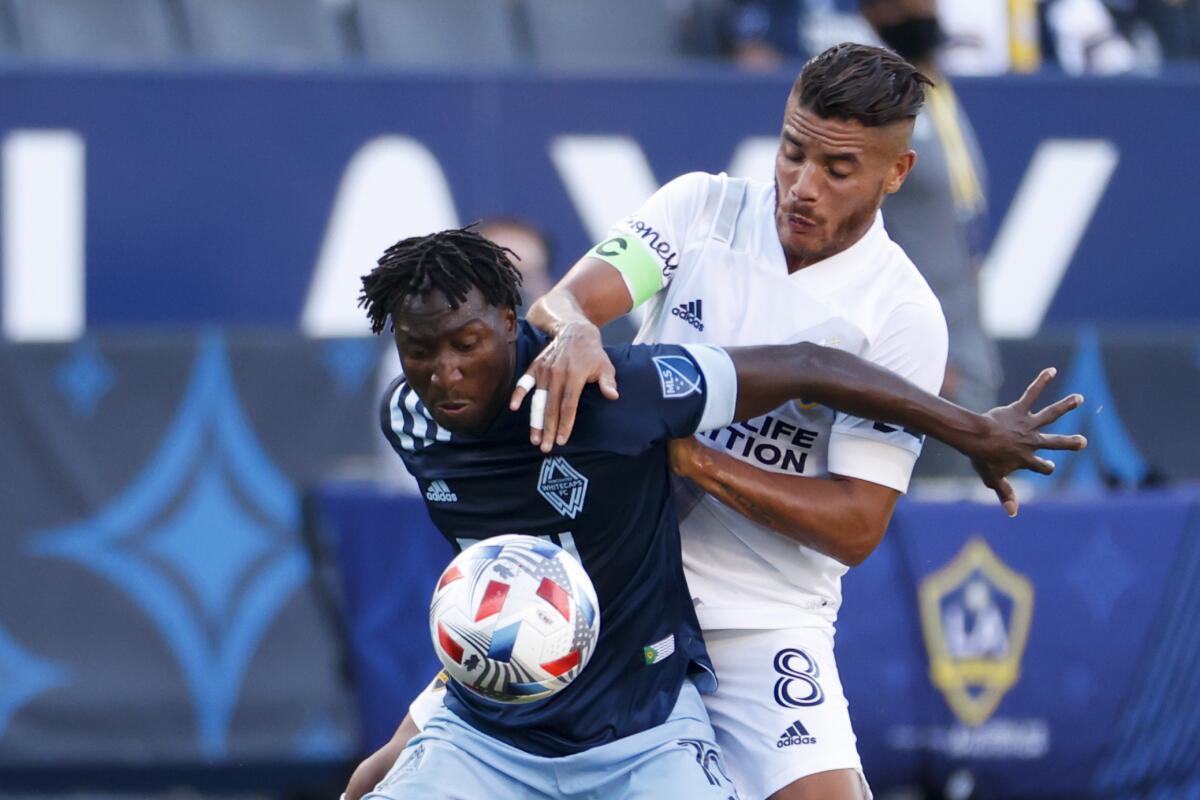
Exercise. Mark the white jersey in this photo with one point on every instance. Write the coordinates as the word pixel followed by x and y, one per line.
pixel 720 277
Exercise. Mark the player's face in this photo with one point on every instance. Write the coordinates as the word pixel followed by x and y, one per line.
pixel 459 360
pixel 831 176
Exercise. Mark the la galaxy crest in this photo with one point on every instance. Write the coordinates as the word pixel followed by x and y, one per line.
pixel 975 613
pixel 563 486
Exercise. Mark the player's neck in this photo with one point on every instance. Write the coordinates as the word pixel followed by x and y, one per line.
pixel 798 261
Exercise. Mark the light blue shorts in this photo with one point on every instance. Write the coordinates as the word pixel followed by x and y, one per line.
pixel 450 759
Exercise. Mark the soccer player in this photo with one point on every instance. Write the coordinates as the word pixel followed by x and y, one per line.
pixel 627 726
pixel 797 496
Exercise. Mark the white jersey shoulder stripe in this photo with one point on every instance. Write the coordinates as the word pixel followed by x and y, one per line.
pixel 412 424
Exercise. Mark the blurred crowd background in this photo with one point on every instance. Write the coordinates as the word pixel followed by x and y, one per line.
pixel 213 575
pixel 981 37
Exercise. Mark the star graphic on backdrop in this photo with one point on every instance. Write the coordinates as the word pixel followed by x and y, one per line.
pixel 203 540
pixel 85 377
pixel 23 677
pixel 1102 574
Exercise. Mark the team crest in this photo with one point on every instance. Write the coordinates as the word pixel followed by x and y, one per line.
pixel 678 376
pixel 976 614
pixel 562 486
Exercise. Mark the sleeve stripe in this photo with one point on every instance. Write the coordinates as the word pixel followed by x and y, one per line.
pixel 720 382
pixel 870 459
pixel 635 261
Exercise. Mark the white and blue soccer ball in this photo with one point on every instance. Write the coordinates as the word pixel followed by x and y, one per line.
pixel 514 618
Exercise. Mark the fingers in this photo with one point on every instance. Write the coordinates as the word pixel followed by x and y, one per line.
pixel 1056 442
pixel 1042 466
pixel 570 404
pixel 608 380
pixel 1008 498
pixel 557 382
pixel 573 390
pixel 1034 389
pixel 1053 412
pixel 524 386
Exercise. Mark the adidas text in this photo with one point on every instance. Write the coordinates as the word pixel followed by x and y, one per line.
pixel 795 734
pixel 439 492
pixel 690 312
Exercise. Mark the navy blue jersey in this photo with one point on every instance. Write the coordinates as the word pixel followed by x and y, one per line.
pixel 605 497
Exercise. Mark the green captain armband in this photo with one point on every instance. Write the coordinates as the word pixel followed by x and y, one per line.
pixel 635 261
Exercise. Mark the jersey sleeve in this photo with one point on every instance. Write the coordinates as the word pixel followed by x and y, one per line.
pixel 647 246
pixel 912 344
pixel 666 392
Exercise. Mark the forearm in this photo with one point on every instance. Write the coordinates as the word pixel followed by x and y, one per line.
pixel 555 310
pixel 770 376
pixel 825 514
pixel 593 293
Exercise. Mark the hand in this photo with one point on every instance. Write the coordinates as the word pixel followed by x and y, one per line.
pixel 687 456
pixel 573 359
pixel 373 769
pixel 1014 436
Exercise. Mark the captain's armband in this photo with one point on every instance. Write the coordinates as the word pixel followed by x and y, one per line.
pixel 635 261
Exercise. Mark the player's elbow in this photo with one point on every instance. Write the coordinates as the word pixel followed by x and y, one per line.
pixel 854 548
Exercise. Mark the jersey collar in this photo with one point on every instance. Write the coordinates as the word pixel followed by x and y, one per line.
pixel 845 267
pixel 840 268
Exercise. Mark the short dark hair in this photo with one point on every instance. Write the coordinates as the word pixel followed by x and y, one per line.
pixel 452 261
pixel 856 81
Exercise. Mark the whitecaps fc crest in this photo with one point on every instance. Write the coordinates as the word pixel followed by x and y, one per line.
pixel 562 486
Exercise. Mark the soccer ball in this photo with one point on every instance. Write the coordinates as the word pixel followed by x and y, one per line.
pixel 514 618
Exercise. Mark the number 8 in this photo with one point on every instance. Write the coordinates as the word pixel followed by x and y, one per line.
pixel 784 660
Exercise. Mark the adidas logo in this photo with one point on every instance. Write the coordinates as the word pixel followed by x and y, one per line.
pixel 795 734
pixel 691 313
pixel 439 492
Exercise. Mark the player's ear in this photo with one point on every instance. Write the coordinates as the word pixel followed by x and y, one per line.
pixel 508 323
pixel 901 166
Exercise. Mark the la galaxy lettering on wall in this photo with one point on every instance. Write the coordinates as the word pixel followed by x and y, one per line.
pixel 563 486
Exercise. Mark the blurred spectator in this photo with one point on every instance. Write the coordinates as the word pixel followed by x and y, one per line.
pixel 534 260
pixel 983 37
pixel 938 214
pixel 765 34
pixel 994 36
pixel 531 248
pixel 1169 29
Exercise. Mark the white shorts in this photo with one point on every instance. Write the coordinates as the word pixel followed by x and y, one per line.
pixel 779 712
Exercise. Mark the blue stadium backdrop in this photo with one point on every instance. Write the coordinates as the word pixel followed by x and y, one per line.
pixel 162 599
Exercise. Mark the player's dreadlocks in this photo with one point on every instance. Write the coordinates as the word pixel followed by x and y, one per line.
pixel 857 81
pixel 451 261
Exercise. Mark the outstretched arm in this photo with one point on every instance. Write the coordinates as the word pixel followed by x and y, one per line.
pixel 998 442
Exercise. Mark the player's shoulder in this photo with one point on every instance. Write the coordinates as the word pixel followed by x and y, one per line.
pixel 697 191
pixel 405 420
pixel 905 283
pixel 695 183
